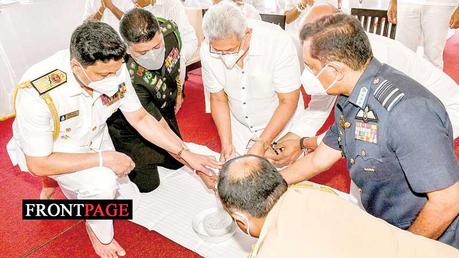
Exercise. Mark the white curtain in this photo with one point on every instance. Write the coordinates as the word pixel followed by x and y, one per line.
pixel 29 33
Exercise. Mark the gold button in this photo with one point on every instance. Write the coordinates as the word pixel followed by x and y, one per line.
pixel 376 81
pixel 352 161
pixel 68 130
pixel 347 124
pixel 65 137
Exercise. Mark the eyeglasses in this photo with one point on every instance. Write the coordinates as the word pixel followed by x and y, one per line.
pixel 217 53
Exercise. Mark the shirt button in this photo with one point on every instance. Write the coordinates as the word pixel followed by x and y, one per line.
pixel 376 81
pixel 246 117
pixel 251 126
pixel 352 161
pixel 364 153
pixel 243 88
pixel 244 103
pixel 94 128
pixel 360 190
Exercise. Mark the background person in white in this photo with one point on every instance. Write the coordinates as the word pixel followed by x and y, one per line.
pixel 111 11
pixel 429 19
pixel 252 72
pixel 82 159
pixel 247 9
pixel 387 51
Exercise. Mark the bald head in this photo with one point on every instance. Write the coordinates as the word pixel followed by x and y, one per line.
pixel 244 166
pixel 318 11
pixel 250 184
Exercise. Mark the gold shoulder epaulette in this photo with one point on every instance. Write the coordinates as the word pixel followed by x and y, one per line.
pixel 43 85
pixel 49 81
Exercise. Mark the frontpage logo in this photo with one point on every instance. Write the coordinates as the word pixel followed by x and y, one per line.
pixel 76 209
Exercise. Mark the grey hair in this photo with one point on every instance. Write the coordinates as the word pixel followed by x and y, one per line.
pixel 224 20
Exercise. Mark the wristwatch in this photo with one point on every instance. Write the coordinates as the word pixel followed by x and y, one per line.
pixel 300 7
pixel 184 148
pixel 259 140
pixel 302 147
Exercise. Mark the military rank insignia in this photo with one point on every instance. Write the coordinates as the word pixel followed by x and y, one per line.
pixel 107 101
pixel 49 81
pixel 172 59
pixel 366 126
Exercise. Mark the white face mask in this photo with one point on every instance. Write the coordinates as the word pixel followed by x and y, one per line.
pixel 230 60
pixel 312 84
pixel 107 86
pixel 246 220
pixel 153 59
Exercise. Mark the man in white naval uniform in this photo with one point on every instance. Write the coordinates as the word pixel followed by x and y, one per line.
pixel 60 128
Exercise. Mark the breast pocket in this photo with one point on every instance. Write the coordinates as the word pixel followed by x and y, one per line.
pixel 71 133
pixel 260 86
pixel 368 162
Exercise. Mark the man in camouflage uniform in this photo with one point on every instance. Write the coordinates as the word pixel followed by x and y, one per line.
pixel 154 66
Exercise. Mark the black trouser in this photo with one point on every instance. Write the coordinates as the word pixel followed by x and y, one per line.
pixel 147 156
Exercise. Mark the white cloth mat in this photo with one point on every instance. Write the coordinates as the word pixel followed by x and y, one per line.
pixel 170 209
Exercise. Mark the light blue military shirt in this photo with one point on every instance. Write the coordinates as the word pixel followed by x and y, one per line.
pixel 398 142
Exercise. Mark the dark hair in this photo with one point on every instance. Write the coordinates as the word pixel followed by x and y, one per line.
pixel 96 41
pixel 250 183
pixel 338 37
pixel 138 25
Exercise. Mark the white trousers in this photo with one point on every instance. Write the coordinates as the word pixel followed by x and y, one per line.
pixel 429 21
pixel 98 183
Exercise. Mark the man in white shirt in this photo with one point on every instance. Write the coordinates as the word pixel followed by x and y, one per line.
pixel 295 11
pixel 60 128
pixel 251 70
pixel 387 51
pixel 108 11
pixel 429 19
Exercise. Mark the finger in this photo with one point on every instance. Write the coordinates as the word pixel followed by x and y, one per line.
pixel 205 170
pixel 213 163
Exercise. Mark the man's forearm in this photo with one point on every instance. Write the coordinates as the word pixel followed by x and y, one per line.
pixel 116 11
pixel 291 15
pixel 157 134
pixel 282 115
pixel 311 165
pixel 437 214
pixel 431 222
pixel 301 170
pixel 61 163
pixel 221 116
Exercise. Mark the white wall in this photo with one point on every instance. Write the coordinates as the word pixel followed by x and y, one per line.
pixel 30 33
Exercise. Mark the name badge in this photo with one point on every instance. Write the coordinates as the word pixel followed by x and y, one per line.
pixel 69 115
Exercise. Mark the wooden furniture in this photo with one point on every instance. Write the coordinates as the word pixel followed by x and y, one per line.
pixel 375 21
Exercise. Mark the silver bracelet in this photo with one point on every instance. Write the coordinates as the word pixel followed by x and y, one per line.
pixel 101 159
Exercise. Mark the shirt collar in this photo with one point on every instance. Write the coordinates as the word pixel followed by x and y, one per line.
pixel 72 87
pixel 361 91
pixel 256 41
